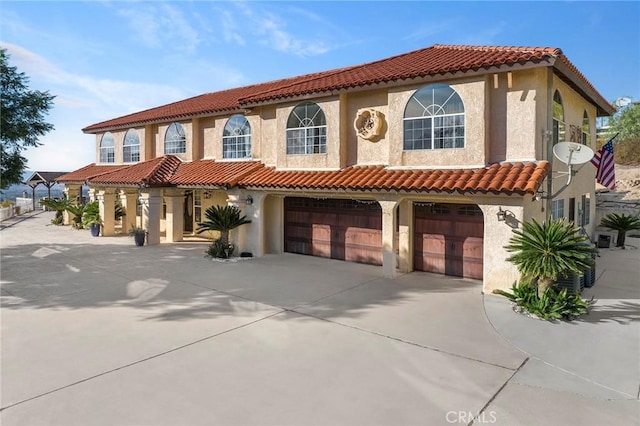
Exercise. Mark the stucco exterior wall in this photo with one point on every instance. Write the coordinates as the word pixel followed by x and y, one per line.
pixel 363 151
pixel 583 181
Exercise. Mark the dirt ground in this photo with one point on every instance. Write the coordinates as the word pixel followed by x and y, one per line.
pixel 628 182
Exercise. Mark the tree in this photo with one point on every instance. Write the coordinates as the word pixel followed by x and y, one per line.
pixel 547 251
pixel 21 120
pixel 621 223
pixel 627 123
pixel 223 219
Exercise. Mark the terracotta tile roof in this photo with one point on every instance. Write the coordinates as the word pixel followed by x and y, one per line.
pixel 504 178
pixel 206 104
pixel 87 172
pixel 213 173
pixel 438 59
pixel 154 172
pixel 435 60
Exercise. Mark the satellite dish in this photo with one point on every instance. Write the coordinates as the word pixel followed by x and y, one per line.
pixel 572 153
pixel 622 102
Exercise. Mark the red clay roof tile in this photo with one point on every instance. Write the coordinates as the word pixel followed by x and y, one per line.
pixel 87 172
pixel 435 60
pixel 213 173
pixel 154 172
pixel 525 178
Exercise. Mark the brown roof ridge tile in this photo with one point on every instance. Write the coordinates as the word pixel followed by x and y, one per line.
pixel 487 48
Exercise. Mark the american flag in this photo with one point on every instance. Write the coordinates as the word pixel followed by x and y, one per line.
pixel 603 160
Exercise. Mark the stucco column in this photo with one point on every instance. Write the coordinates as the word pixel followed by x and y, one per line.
pixel 252 235
pixel 405 237
pixel 174 222
pixel 92 195
pixel 107 203
pixel 71 192
pixel 151 202
pixel 129 201
pixel 388 238
pixel 245 237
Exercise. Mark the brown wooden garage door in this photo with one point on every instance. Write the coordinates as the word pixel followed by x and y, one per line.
pixel 448 239
pixel 338 229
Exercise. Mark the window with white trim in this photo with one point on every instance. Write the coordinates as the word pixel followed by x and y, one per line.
pixel 559 126
pixel 197 206
pixel 434 119
pixel 175 141
pixel 236 138
pixel 107 148
pixel 131 147
pixel 557 209
pixel 307 130
pixel 586 209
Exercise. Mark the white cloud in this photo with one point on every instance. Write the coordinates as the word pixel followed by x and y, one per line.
pixel 161 25
pixel 268 29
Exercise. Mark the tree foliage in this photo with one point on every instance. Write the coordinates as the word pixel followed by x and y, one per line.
pixel 22 120
pixel 549 250
pixel 627 122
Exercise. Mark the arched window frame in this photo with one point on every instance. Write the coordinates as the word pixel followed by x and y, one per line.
pixel 236 137
pixel 307 130
pixel 559 127
pixel 586 129
pixel 434 118
pixel 107 148
pixel 131 147
pixel 175 141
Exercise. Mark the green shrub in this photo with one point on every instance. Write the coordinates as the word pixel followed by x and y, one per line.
pixel 553 304
pixel 219 250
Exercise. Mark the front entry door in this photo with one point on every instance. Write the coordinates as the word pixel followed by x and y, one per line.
pixel 188 211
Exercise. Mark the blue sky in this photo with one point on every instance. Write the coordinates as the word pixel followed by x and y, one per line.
pixel 104 59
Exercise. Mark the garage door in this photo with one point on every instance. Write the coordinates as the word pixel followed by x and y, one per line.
pixel 448 239
pixel 337 229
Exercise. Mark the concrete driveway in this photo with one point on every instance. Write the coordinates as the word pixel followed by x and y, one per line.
pixel 98 331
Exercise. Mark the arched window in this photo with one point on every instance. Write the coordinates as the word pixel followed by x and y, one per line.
pixel 586 134
pixel 559 131
pixel 131 147
pixel 307 130
pixel 434 119
pixel 107 148
pixel 236 138
pixel 175 141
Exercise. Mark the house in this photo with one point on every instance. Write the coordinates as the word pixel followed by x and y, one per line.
pixel 422 161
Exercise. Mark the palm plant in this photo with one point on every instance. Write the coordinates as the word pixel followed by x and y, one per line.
pixel 222 219
pixel 546 251
pixel 58 205
pixel 76 211
pixel 621 223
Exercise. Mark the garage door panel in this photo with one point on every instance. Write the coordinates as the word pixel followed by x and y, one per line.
pixel 449 240
pixel 338 229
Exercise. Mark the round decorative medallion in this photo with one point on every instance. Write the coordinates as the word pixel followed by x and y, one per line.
pixel 368 123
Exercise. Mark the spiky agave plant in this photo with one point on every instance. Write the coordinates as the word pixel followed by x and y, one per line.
pixel 223 219
pixel 621 223
pixel 548 250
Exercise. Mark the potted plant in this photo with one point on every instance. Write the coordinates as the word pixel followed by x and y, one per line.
pixel 91 218
pixel 138 235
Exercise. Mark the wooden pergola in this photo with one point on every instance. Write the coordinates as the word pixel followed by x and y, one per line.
pixel 47 179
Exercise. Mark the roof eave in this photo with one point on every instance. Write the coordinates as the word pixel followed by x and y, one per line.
pixel 604 108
